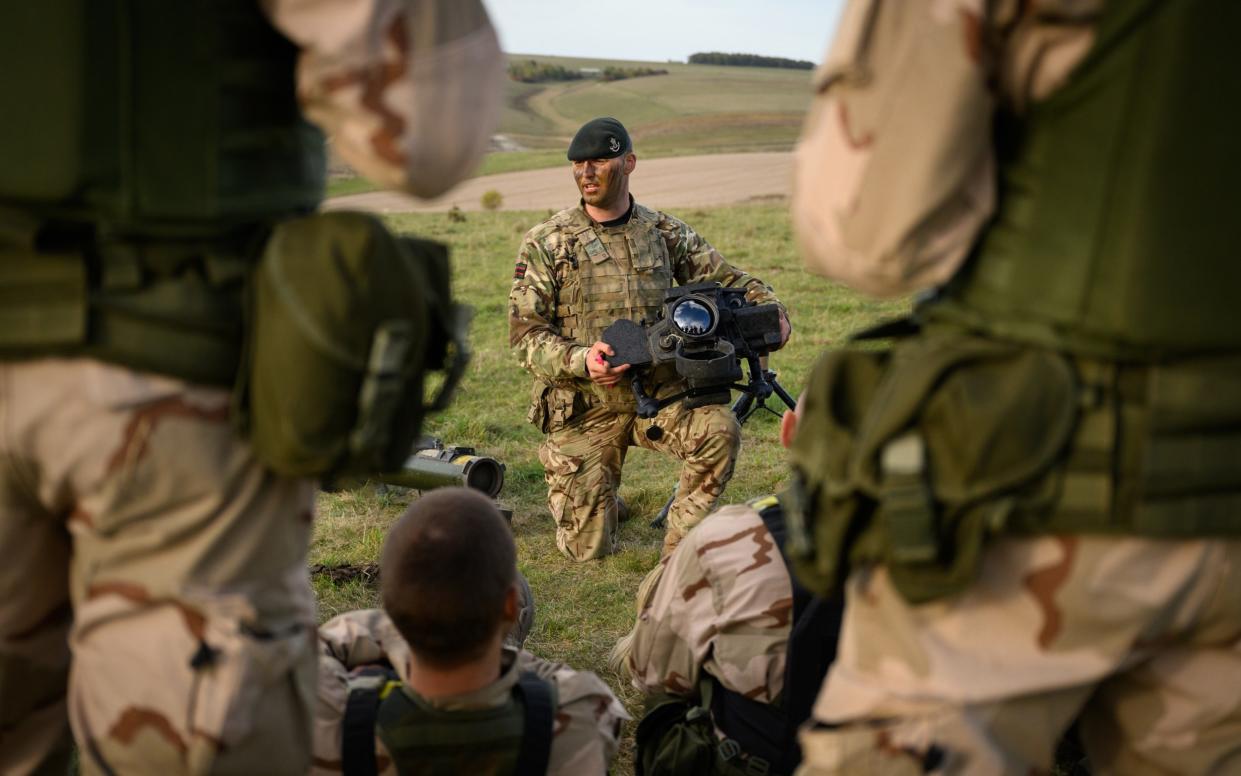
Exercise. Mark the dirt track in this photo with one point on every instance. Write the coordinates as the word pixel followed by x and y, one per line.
pixel 688 181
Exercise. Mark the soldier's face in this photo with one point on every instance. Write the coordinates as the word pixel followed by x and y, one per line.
pixel 600 180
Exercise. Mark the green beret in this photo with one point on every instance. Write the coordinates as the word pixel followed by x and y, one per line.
pixel 601 138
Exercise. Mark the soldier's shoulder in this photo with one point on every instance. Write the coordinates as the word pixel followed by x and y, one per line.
pixel 572 685
pixel 664 221
pixel 555 225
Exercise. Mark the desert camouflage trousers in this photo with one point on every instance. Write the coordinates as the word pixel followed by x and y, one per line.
pixel 1140 637
pixel 142 537
pixel 582 463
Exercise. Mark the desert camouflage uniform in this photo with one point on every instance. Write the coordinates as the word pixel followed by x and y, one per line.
pixel 574 278
pixel 1141 637
pixel 720 603
pixel 587 722
pixel 131 510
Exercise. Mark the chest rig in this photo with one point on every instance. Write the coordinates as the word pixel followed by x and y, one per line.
pixel 610 273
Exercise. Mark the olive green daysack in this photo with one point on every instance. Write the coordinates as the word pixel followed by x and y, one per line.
pixel 346 321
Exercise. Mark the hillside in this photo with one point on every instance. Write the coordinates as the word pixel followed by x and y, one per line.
pixel 692 109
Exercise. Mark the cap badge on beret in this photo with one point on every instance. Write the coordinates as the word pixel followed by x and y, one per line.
pixel 601 138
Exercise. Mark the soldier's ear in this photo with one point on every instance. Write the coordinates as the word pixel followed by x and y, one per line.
pixel 512 606
pixel 631 161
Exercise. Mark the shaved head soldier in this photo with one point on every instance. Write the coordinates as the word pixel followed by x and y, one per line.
pixel 456 698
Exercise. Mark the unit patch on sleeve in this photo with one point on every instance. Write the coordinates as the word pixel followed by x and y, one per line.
pixel 519 271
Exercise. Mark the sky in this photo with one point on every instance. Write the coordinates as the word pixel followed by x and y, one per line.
pixel 661 30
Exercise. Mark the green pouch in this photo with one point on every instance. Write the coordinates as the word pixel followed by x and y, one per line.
pixel 674 736
pixel 347 319
pixel 912 457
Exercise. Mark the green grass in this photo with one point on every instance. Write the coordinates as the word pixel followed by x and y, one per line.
pixel 582 608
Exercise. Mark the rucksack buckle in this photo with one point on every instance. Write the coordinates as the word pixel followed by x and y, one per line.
pixel 729 749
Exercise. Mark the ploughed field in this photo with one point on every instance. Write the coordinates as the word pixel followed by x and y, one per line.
pixel 581 609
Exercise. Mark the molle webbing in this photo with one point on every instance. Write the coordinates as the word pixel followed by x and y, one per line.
pixel 514 738
pixel 621 273
pixel 153 119
pixel 172 307
pixel 1116 234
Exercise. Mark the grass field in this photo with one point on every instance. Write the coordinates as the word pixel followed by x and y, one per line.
pixel 581 608
pixel 693 109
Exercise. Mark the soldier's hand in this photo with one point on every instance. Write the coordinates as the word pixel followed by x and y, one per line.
pixel 598 368
pixel 785 330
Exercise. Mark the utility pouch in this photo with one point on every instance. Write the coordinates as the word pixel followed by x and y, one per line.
pixel 347 320
pixel 552 407
pixel 170 306
pixel 912 457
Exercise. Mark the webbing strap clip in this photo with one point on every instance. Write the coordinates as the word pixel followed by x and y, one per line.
pixel 906 506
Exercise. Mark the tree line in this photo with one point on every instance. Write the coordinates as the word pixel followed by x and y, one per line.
pixel 747 60
pixel 532 71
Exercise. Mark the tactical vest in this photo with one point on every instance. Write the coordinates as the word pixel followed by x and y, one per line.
pixel 1116 234
pixel 514 738
pixel 614 272
pixel 146 149
pixel 153 119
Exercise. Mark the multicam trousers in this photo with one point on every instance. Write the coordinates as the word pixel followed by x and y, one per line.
pixel 583 462
pixel 143 538
pixel 1140 637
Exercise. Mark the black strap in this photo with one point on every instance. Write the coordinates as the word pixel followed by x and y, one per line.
pixel 770 731
pixel 537 697
pixel 357 746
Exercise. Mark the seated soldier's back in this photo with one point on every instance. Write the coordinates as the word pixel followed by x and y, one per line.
pixel 585 717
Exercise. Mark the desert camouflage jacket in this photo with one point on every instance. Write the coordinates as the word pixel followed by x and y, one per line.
pixel 895 170
pixel 587 722
pixel 721 603
pixel 408 90
pixel 549 259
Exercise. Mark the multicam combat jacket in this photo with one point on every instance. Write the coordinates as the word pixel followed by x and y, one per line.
pixel 574 277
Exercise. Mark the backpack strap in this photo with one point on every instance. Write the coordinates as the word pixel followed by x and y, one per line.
pixel 812 640
pixel 357 745
pixel 538 698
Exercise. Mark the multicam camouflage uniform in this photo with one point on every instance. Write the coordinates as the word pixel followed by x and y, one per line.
pixel 573 279
pixel 720 603
pixel 140 530
pixel 588 717
pixel 1140 636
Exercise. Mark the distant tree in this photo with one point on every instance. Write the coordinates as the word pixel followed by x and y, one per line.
pixel 611 73
pixel 747 60
pixel 533 71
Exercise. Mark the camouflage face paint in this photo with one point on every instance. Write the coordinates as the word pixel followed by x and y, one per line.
pixel 599 181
